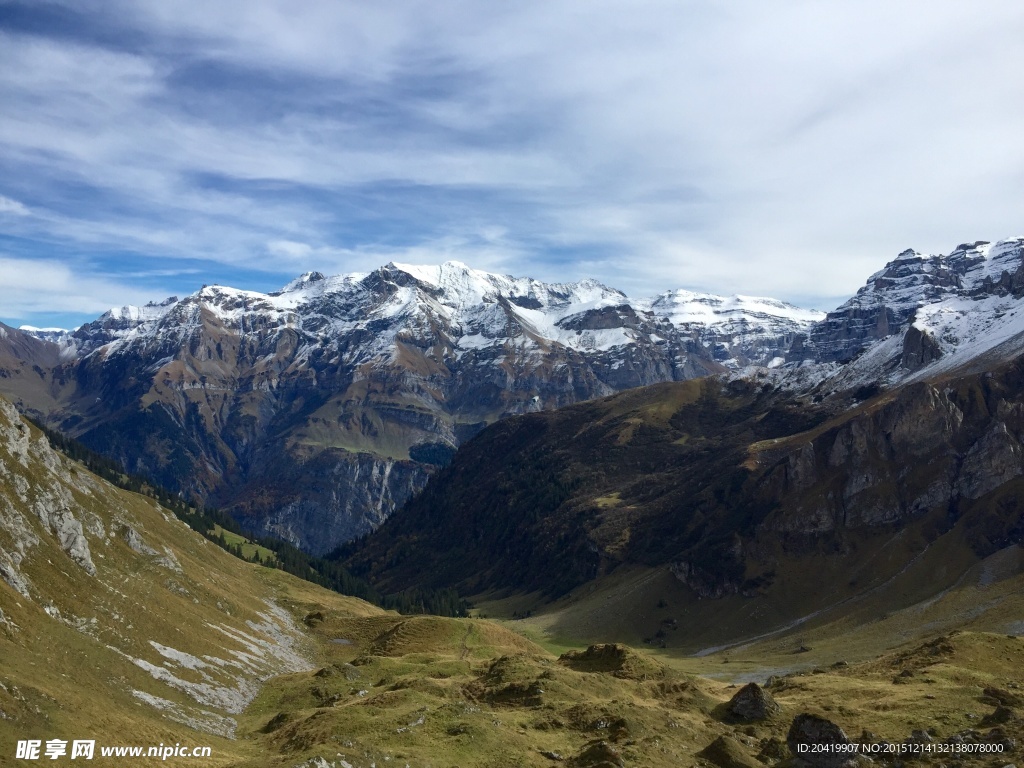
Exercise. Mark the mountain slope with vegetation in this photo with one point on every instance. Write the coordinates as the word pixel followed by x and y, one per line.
pixel 121 625
pixel 117 619
pixel 741 491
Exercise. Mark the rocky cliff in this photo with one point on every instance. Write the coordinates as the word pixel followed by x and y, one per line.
pixel 912 287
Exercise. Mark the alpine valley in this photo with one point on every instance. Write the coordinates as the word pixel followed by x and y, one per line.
pixel 710 531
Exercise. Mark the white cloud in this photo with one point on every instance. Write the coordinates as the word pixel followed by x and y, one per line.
pixel 766 148
pixel 36 286
pixel 9 206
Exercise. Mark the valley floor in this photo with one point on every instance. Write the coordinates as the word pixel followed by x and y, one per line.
pixel 941 681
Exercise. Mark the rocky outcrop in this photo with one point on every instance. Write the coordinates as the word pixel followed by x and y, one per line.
pixel 134 541
pixel 54 511
pixel 32 468
pixel 752 703
pixel 920 348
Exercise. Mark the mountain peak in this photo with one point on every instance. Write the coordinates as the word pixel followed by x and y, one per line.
pixel 908 254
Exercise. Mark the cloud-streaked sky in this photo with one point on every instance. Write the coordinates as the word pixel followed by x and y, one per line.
pixel 786 148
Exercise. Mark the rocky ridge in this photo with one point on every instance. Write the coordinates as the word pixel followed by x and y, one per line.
pixel 915 318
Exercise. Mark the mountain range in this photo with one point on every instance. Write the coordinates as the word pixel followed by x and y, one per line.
pixel 313 412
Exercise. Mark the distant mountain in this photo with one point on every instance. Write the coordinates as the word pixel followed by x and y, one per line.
pixel 315 411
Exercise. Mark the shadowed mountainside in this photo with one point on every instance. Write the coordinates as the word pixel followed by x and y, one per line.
pixel 738 489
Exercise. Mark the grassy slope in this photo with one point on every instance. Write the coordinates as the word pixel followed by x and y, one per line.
pixel 429 691
pixel 426 691
pixel 69 673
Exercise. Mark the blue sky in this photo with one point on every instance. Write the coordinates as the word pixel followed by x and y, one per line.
pixel 786 148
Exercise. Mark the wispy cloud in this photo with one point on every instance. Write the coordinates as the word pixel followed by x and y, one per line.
pixel 12 207
pixel 40 288
pixel 781 149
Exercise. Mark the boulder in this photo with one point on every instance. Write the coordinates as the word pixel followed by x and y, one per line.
pixel 752 703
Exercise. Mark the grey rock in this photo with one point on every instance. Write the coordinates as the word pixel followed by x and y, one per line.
pixel 53 509
pixel 10 573
pixel 920 348
pixel 135 541
pixel 753 703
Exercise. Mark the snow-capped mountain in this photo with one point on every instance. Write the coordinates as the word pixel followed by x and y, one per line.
pixel 472 310
pixel 891 297
pixel 918 317
pixel 315 410
pixel 741 329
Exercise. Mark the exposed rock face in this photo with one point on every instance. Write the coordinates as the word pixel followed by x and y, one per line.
pixel 349 496
pixel 887 304
pixel 923 450
pixel 809 732
pixel 314 411
pixel 920 348
pixel 753 703
pixel 49 502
